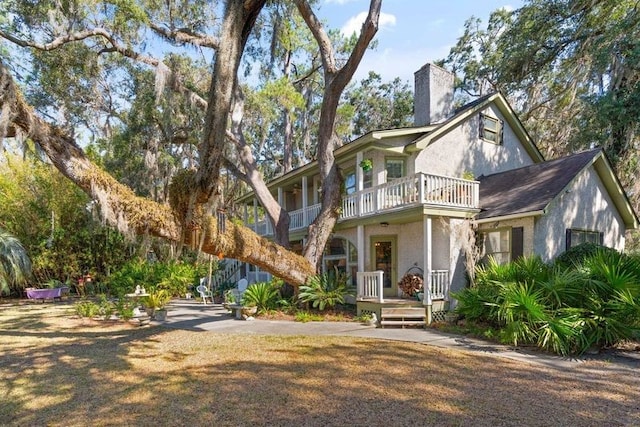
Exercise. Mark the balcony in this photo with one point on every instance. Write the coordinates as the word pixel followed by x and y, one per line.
pixel 425 189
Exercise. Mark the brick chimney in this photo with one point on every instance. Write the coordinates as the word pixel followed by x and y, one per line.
pixel 433 96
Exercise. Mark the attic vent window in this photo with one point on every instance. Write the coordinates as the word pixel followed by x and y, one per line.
pixel 491 129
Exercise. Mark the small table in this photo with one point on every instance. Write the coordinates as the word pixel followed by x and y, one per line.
pixel 238 310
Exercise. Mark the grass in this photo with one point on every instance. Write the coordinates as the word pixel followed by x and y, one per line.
pixel 58 370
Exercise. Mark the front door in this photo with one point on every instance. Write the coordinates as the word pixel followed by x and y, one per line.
pixel 383 256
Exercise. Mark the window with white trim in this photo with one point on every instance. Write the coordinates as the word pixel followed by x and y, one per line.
pixel 491 129
pixel 367 178
pixel 350 183
pixel 497 244
pixel 577 236
pixel 395 168
pixel 341 256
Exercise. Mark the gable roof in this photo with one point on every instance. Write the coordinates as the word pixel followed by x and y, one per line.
pixel 467 111
pixel 529 190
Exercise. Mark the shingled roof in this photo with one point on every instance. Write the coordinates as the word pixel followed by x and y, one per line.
pixel 531 188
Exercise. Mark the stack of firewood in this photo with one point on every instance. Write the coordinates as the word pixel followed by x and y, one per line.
pixel 411 283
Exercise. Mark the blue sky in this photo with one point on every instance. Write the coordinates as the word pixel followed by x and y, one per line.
pixel 412 32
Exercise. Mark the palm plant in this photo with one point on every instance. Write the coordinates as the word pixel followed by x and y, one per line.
pixel 15 265
pixel 325 290
pixel 263 295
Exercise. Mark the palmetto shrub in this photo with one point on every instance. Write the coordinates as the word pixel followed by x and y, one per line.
pixel 576 256
pixel 594 303
pixel 15 265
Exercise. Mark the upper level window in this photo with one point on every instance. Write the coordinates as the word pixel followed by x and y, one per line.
pixel 491 129
pixel 576 237
pixel 367 178
pixel 394 168
pixel 350 183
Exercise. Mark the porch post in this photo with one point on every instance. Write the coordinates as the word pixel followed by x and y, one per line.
pixel 305 203
pixel 255 215
pixel 359 182
pixel 280 197
pixel 361 251
pixel 428 249
pixel 315 191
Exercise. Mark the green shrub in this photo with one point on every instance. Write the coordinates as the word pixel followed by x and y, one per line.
pixel 262 295
pixel 325 290
pixel 576 256
pixel 594 302
pixel 105 307
pixel 305 316
pixel 124 308
pixel 173 276
pixel 87 308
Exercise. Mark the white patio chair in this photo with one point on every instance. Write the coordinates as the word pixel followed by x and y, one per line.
pixel 204 291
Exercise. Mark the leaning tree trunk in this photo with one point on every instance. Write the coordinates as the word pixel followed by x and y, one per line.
pixel 126 211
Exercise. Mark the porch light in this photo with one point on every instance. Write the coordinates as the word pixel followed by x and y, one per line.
pixel 384 224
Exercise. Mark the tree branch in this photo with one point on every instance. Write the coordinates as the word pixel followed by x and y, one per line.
pixel 324 43
pixel 185 36
pixel 114 47
pixel 58 41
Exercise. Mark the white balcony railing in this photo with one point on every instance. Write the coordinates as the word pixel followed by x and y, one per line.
pixel 411 190
pixel 370 285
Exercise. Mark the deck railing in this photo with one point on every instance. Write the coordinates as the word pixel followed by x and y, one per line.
pixel 414 189
pixel 370 285
pixel 439 284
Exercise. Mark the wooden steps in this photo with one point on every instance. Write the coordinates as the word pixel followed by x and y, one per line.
pixel 402 316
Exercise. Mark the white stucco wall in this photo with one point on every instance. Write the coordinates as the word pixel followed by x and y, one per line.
pixel 457 270
pixel 586 205
pixel 462 149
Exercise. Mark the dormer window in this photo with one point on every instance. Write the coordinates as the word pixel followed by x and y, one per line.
pixel 491 129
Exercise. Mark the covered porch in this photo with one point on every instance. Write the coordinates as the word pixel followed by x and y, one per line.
pixel 370 297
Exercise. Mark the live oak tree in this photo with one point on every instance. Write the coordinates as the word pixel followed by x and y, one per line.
pixel 86 32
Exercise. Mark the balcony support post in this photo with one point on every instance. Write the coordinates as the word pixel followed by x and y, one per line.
pixel 305 203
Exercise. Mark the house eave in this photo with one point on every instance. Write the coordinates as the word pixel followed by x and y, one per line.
pixel 616 191
pixel 510 217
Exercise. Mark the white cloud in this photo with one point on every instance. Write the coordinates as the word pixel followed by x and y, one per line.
pixel 354 24
pixel 508 8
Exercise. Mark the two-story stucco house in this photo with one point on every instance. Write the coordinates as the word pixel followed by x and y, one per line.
pixel 412 196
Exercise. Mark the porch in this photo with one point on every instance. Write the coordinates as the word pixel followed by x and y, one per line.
pixel 370 297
